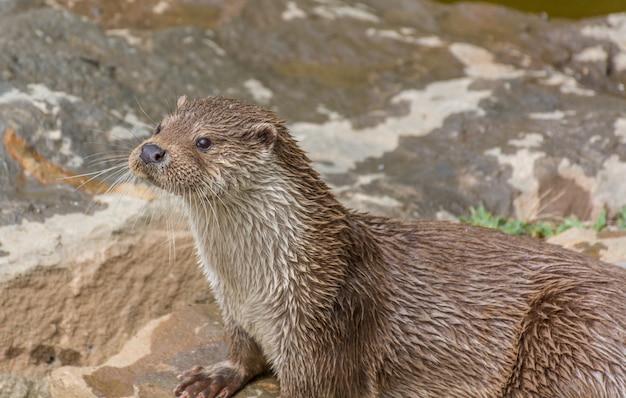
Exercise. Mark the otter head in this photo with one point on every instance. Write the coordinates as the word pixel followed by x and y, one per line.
pixel 208 147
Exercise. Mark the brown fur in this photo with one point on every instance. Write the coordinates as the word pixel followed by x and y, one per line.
pixel 343 304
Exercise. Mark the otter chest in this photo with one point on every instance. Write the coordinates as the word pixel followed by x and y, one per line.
pixel 249 265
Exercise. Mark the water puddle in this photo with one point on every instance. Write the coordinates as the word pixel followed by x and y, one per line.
pixel 574 9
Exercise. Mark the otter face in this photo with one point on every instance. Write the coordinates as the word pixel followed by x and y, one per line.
pixel 207 148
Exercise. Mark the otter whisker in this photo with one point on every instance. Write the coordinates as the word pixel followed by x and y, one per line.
pixel 94 174
pixel 154 123
pixel 118 158
pixel 124 178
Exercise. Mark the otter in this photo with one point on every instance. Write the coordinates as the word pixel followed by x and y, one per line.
pixel 338 303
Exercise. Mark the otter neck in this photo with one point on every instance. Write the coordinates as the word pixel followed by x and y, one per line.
pixel 255 247
pixel 259 232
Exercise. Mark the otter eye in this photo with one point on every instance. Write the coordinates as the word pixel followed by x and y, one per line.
pixel 203 144
pixel 157 130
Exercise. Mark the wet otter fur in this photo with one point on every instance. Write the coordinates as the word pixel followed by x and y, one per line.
pixel 342 304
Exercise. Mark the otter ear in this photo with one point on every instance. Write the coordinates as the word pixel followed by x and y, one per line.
pixel 266 133
pixel 181 101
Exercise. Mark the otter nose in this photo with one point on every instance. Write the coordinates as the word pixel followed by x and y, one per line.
pixel 152 153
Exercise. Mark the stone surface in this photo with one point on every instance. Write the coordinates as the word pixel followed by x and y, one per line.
pixel 607 246
pixel 376 92
pixel 148 364
pixel 75 288
pixel 409 108
pixel 16 386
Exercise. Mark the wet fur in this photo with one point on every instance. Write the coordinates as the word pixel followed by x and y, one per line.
pixel 343 304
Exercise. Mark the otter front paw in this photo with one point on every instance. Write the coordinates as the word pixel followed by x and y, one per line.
pixel 221 381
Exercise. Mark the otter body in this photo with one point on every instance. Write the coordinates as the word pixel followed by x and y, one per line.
pixel 343 304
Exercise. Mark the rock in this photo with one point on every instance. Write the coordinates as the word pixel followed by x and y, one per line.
pixel 148 363
pixel 15 386
pixel 77 286
pixel 609 246
pixel 514 112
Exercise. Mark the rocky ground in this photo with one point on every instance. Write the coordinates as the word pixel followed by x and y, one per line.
pixel 409 109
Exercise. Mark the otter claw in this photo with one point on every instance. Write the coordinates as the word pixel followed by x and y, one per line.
pixel 220 383
pixel 190 372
